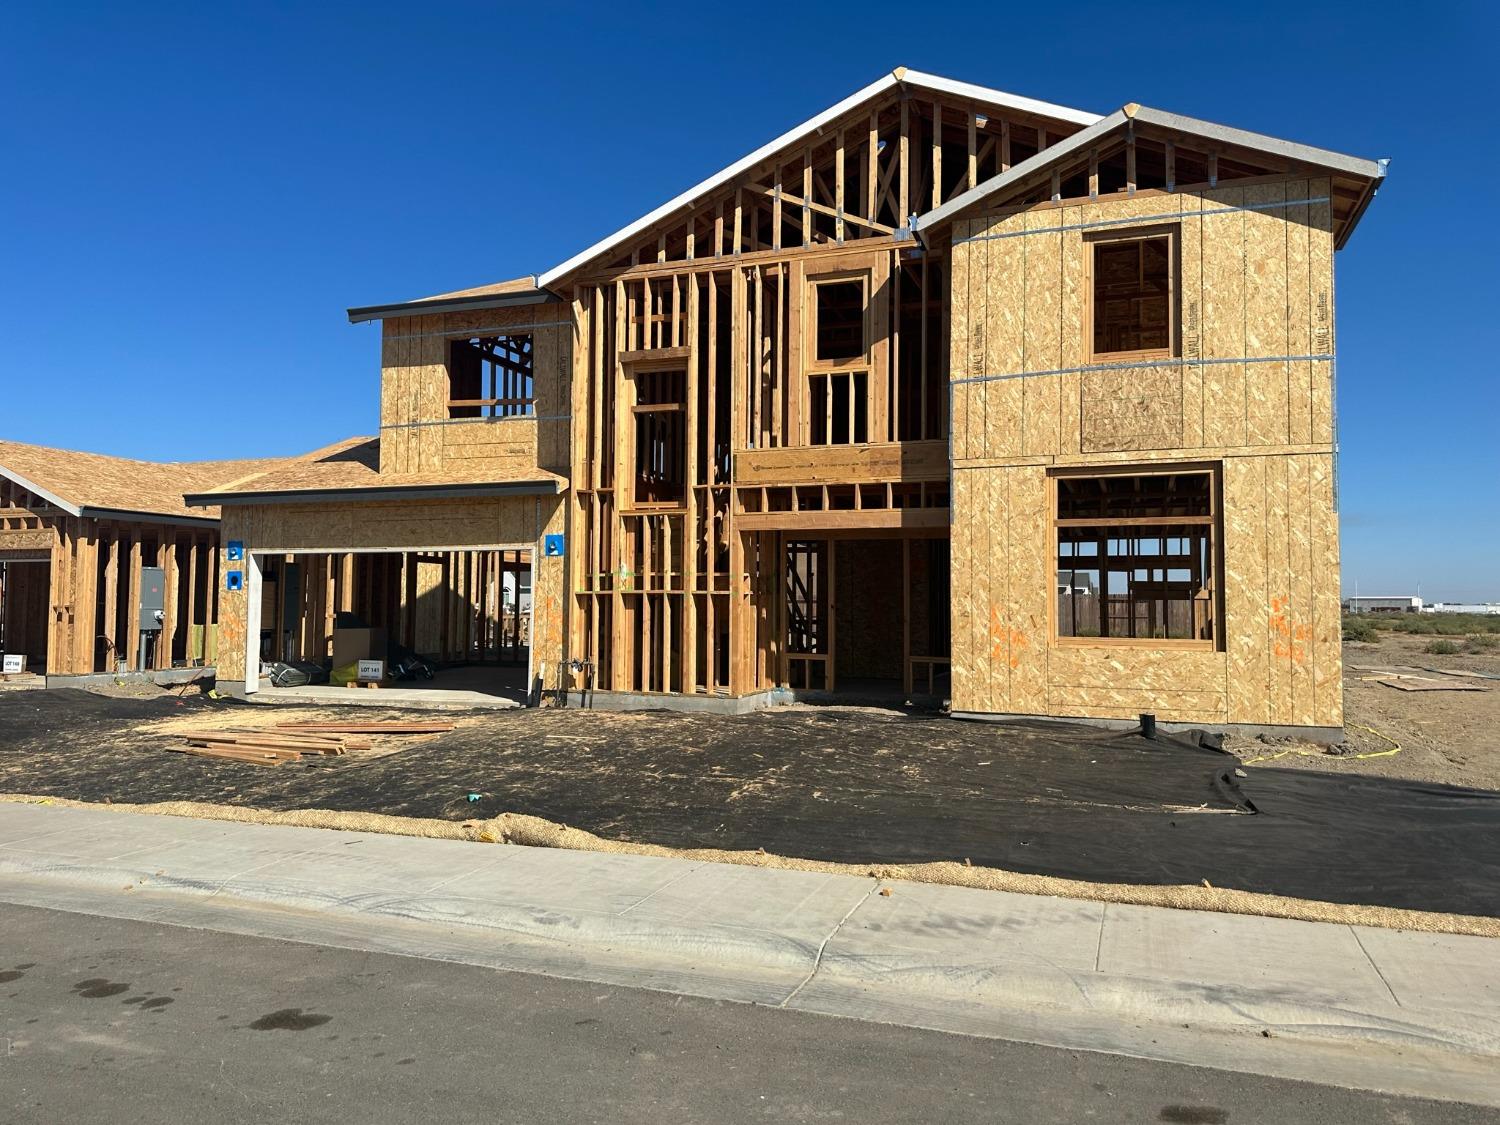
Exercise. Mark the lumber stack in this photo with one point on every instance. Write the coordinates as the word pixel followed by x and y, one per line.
pixel 290 742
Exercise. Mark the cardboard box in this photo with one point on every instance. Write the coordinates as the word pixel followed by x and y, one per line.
pixel 350 645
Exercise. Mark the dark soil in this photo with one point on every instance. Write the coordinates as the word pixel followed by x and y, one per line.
pixel 848 785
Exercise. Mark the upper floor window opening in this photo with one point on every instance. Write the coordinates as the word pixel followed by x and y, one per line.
pixel 1133 294
pixel 839 329
pixel 492 377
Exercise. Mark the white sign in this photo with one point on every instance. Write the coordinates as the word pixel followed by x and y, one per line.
pixel 12 664
pixel 371 670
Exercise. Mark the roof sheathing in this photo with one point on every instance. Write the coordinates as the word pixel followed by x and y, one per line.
pixel 97 485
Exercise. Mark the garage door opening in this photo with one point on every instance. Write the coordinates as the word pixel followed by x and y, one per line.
pixel 419 620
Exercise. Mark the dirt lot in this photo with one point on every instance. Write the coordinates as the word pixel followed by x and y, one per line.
pixel 846 785
pixel 1447 737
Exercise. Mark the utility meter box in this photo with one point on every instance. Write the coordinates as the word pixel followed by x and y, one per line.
pixel 153 597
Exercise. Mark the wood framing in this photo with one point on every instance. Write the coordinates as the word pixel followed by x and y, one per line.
pixel 76 531
pixel 805 425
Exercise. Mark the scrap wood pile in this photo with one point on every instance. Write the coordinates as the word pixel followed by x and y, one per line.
pixel 291 742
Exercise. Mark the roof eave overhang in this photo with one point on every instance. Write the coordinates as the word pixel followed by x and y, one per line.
pixel 376 492
pixel 451 304
pixel 1366 198
pixel 130 516
pixel 1371 171
pixel 37 490
pixel 1275 146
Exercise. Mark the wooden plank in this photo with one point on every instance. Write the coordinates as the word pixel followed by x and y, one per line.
pixel 249 757
pixel 393 726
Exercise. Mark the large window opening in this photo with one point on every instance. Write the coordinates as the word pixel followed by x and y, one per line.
pixel 836 403
pixel 491 377
pixel 1134 297
pixel 1136 557
pixel 660 416
pixel 840 312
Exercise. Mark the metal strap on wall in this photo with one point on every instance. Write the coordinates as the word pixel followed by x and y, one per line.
pixel 1138 220
pixel 1136 365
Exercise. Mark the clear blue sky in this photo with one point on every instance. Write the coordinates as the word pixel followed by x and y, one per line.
pixel 192 194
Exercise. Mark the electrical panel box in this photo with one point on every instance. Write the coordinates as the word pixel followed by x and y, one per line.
pixel 153 597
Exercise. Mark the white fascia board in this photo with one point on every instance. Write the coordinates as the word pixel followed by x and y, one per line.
pixel 938 84
pixel 933 82
pixel 744 164
pixel 38 490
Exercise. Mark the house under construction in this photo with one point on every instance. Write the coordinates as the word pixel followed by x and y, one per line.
pixel 945 391
pixel 102 567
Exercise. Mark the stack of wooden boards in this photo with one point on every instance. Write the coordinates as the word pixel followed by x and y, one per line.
pixel 290 742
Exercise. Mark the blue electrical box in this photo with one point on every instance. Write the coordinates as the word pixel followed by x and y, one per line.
pixel 552 546
pixel 234 580
pixel 235 551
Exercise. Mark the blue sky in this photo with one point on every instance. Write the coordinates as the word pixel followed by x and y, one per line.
pixel 192 194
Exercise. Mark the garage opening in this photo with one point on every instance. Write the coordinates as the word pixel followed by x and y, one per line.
pixel 421 620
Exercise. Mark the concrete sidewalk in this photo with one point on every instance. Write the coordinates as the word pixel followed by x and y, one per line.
pixel 1406 1013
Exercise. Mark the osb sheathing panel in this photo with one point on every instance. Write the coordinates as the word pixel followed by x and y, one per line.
pixel 1223 297
pixel 965 354
pixel 1255 280
pixel 499 440
pixel 414 387
pixel 394 525
pixel 1043 331
pixel 1281 659
pixel 1141 412
pixel 968 676
pixel 232 603
pixel 1320 270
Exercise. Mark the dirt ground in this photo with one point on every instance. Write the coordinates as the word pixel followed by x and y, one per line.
pixel 831 784
pixel 1446 737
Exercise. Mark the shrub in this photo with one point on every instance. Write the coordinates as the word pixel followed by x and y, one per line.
pixel 1441 648
pixel 1483 642
pixel 1357 627
pixel 1434 624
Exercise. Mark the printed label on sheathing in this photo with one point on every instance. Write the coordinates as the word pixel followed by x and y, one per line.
pixel 976 348
pixel 1321 335
pixel 1190 333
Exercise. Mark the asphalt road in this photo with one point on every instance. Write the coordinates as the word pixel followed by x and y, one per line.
pixel 107 1020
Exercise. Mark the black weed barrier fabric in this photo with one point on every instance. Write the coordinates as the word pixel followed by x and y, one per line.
pixel 850 786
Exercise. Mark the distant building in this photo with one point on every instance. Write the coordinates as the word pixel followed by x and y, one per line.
pixel 1401 604
pixel 1463 607
pixel 1075 582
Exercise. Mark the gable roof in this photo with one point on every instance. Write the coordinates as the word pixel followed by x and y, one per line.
pixel 994 189
pixel 95 485
pixel 503 294
pixel 898 77
pixel 537 288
